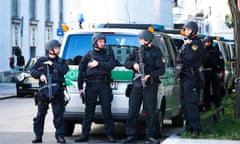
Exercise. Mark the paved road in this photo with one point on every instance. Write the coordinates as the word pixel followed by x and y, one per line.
pixel 16 125
pixel 7 90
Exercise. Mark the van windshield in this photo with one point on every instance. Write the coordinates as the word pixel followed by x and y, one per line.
pixel 78 45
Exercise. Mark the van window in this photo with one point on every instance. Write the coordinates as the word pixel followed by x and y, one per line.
pixel 161 42
pixel 77 45
pixel 233 51
pixel 121 52
pixel 80 44
pixel 178 43
pixel 171 50
pixel 227 50
pixel 219 46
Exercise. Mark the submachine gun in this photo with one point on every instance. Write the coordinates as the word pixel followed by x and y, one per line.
pixel 141 65
pixel 179 64
pixel 49 84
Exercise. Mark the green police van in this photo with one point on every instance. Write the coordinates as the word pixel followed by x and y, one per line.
pixel 122 41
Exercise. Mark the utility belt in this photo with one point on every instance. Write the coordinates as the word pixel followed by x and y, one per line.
pixel 151 81
pixel 98 79
pixel 191 71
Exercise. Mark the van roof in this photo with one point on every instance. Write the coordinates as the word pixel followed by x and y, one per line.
pixel 108 30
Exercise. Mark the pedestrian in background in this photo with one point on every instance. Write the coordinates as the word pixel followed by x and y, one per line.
pixel 20 59
pixel 147 64
pixel 191 54
pixel 95 69
pixel 213 65
pixel 53 66
pixel 17 61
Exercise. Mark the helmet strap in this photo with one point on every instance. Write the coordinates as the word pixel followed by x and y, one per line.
pixel 147 44
pixel 52 51
pixel 95 46
pixel 192 35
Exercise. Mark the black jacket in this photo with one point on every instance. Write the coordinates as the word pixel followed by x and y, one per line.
pixel 106 62
pixel 213 59
pixel 58 69
pixel 191 56
pixel 152 59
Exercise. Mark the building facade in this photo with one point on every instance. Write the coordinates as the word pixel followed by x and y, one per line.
pixel 209 14
pixel 119 11
pixel 28 24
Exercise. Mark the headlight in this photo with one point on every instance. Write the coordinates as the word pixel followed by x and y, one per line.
pixel 21 76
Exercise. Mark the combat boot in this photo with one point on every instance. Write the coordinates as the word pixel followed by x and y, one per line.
pixel 37 140
pixel 60 139
pixel 82 138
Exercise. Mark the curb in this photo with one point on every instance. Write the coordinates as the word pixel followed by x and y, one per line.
pixel 7 97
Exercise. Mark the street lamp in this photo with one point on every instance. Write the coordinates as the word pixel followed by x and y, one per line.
pixel 80 20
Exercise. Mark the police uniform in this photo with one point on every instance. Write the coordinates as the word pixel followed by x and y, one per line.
pixel 97 86
pixel 154 66
pixel 57 70
pixel 213 64
pixel 191 55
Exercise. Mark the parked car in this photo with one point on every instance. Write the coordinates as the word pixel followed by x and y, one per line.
pixel 25 83
pixel 122 41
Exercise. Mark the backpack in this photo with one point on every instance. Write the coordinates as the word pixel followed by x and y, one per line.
pixel 11 62
pixel 20 61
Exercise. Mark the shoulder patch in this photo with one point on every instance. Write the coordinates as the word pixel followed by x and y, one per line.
pixel 194 47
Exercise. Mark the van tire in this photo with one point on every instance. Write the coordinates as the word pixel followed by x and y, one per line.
pixel 178 121
pixel 158 119
pixel 68 128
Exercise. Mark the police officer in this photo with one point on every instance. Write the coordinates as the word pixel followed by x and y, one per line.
pixel 213 71
pixel 146 62
pixel 95 68
pixel 53 66
pixel 191 55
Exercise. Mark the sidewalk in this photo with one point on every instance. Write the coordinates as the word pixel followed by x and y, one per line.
pixel 7 90
pixel 174 139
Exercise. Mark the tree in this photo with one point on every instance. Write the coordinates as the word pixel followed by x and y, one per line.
pixel 233 4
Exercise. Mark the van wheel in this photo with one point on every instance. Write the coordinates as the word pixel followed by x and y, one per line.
pixel 158 119
pixel 178 121
pixel 68 128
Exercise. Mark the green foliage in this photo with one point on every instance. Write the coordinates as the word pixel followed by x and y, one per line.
pixel 229 21
pixel 226 128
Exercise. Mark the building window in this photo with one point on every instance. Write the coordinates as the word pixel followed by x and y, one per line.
pixel 32 9
pixel 48 11
pixel 60 12
pixel 175 3
pixel 14 8
pixel 33 35
pixel 15 35
pixel 32 51
pixel 48 32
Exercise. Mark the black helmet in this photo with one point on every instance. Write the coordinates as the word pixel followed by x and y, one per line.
pixel 146 35
pixel 208 39
pixel 98 36
pixel 51 44
pixel 192 25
